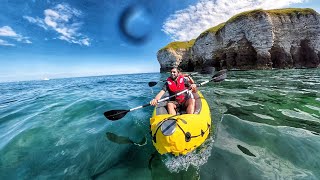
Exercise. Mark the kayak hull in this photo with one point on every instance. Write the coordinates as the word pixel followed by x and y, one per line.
pixel 182 133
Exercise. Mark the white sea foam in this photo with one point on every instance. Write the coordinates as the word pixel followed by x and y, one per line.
pixel 263 116
pixel 313 107
pixel 296 113
pixel 196 158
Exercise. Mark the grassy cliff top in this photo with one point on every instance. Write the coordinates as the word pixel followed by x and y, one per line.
pixel 292 11
pixel 275 12
pixel 180 45
pixel 214 29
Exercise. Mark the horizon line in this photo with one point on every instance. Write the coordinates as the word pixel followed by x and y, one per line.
pixel 80 76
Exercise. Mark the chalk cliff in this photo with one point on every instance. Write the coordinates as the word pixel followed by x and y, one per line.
pixel 258 39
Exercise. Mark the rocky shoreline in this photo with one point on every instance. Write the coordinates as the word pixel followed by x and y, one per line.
pixel 258 39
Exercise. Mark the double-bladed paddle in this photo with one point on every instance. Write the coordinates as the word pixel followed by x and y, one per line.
pixel 114 115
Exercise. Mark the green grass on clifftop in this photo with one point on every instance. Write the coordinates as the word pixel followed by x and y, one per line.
pixel 245 14
pixel 180 45
pixel 292 11
pixel 276 12
pixel 214 29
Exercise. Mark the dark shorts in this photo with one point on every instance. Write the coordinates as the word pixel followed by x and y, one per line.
pixel 188 96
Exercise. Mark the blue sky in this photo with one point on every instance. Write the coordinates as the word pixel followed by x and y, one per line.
pixel 55 39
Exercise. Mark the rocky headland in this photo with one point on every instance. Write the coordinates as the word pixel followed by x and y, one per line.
pixel 258 39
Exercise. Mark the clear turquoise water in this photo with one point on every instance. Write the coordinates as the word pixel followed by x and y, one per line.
pixel 267 127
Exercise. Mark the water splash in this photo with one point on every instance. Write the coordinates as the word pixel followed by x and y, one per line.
pixel 196 158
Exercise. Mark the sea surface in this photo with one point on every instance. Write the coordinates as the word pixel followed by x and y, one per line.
pixel 267 126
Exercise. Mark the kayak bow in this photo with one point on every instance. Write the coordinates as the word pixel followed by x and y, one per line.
pixel 182 133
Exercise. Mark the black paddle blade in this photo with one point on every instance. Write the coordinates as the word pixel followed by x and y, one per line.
pixel 115 114
pixel 151 84
pixel 220 76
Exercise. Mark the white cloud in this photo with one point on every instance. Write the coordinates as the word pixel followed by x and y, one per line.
pixel 8 32
pixel 189 23
pixel 37 21
pixel 86 41
pixel 28 42
pixel 64 20
pixel 5 43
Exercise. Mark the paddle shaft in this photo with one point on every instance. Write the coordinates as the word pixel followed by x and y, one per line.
pixel 161 100
pixel 167 98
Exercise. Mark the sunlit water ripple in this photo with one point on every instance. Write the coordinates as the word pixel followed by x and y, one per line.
pixel 267 126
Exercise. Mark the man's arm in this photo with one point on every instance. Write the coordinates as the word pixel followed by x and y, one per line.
pixel 154 101
pixel 187 76
pixel 191 85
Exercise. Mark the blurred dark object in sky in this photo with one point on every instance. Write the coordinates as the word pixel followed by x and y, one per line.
pixel 135 24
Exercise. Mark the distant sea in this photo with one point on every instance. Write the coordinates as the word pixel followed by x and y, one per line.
pixel 267 126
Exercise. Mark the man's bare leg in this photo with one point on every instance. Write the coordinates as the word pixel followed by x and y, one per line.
pixel 190 103
pixel 171 108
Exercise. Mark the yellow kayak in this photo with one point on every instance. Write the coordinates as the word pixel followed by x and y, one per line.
pixel 182 133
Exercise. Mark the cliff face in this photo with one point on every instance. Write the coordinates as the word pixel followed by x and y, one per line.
pixel 256 40
pixel 169 58
pixel 176 54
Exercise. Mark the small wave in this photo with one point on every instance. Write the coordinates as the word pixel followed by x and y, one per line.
pixel 196 158
pixel 91 130
pixel 263 116
pixel 313 107
pixel 296 113
pixel 240 103
pixel 8 101
pixel 13 129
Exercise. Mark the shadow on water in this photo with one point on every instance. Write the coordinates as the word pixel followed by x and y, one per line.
pixel 124 140
pixel 118 140
pixel 245 150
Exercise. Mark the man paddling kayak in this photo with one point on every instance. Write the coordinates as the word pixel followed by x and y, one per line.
pixel 177 83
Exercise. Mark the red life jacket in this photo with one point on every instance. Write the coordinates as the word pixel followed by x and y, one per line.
pixel 176 87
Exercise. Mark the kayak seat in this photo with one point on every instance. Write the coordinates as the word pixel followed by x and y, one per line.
pixel 162 106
